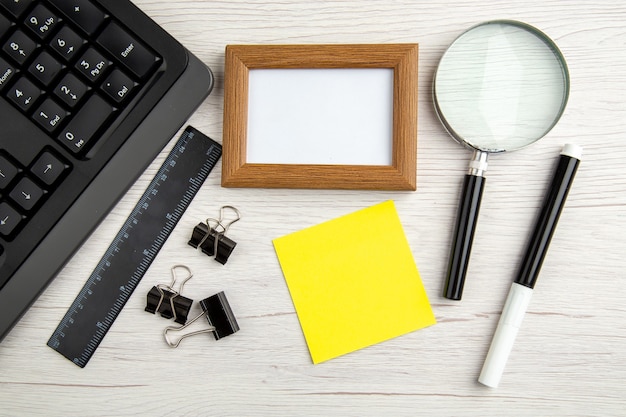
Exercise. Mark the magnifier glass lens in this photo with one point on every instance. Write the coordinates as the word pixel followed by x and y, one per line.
pixel 500 87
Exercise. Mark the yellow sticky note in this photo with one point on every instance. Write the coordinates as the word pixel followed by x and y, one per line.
pixel 353 282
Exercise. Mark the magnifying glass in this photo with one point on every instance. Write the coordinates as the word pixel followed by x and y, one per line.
pixel 500 86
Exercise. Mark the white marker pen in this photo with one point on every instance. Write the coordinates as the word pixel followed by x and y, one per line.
pixel 522 289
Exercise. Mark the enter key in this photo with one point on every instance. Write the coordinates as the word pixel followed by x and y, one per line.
pixel 127 50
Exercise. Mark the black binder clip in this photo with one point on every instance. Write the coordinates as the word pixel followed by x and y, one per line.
pixel 212 240
pixel 222 321
pixel 169 302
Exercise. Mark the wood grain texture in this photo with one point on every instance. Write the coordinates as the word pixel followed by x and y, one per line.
pixel 570 355
pixel 400 175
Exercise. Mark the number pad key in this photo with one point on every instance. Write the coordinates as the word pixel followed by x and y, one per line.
pixel 82 12
pixel 71 90
pixel 89 119
pixel 45 68
pixel 19 46
pixel 41 21
pixel 6 73
pixel 24 93
pixel 118 86
pixel 92 64
pixel 5 25
pixel 128 50
pixel 49 115
pixel 67 43
pixel 15 7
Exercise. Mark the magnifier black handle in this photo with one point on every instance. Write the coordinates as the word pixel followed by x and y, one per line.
pixel 463 236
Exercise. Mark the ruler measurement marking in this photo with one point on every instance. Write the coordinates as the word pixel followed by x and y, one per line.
pixel 115 288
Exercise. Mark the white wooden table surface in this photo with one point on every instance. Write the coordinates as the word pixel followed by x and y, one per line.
pixel 570 355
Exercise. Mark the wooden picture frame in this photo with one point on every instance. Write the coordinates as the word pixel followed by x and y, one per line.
pixel 399 175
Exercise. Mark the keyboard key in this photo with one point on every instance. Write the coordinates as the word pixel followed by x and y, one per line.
pixel 82 12
pixel 6 73
pixel 8 171
pixel 71 90
pixel 45 68
pixel 26 193
pixel 92 64
pixel 128 50
pixel 48 168
pixel 24 93
pixel 19 46
pixel 15 7
pixel 41 21
pixel 67 43
pixel 85 124
pixel 5 25
pixel 9 219
pixel 49 115
pixel 118 86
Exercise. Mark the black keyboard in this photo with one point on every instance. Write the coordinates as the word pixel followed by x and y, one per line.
pixel 90 92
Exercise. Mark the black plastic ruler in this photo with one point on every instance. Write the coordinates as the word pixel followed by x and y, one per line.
pixel 136 245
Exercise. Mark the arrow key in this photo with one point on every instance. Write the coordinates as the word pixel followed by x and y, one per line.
pixel 26 193
pixel 8 171
pixel 48 168
pixel 9 219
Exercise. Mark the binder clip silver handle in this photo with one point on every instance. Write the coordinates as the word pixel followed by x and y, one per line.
pixel 222 221
pixel 180 328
